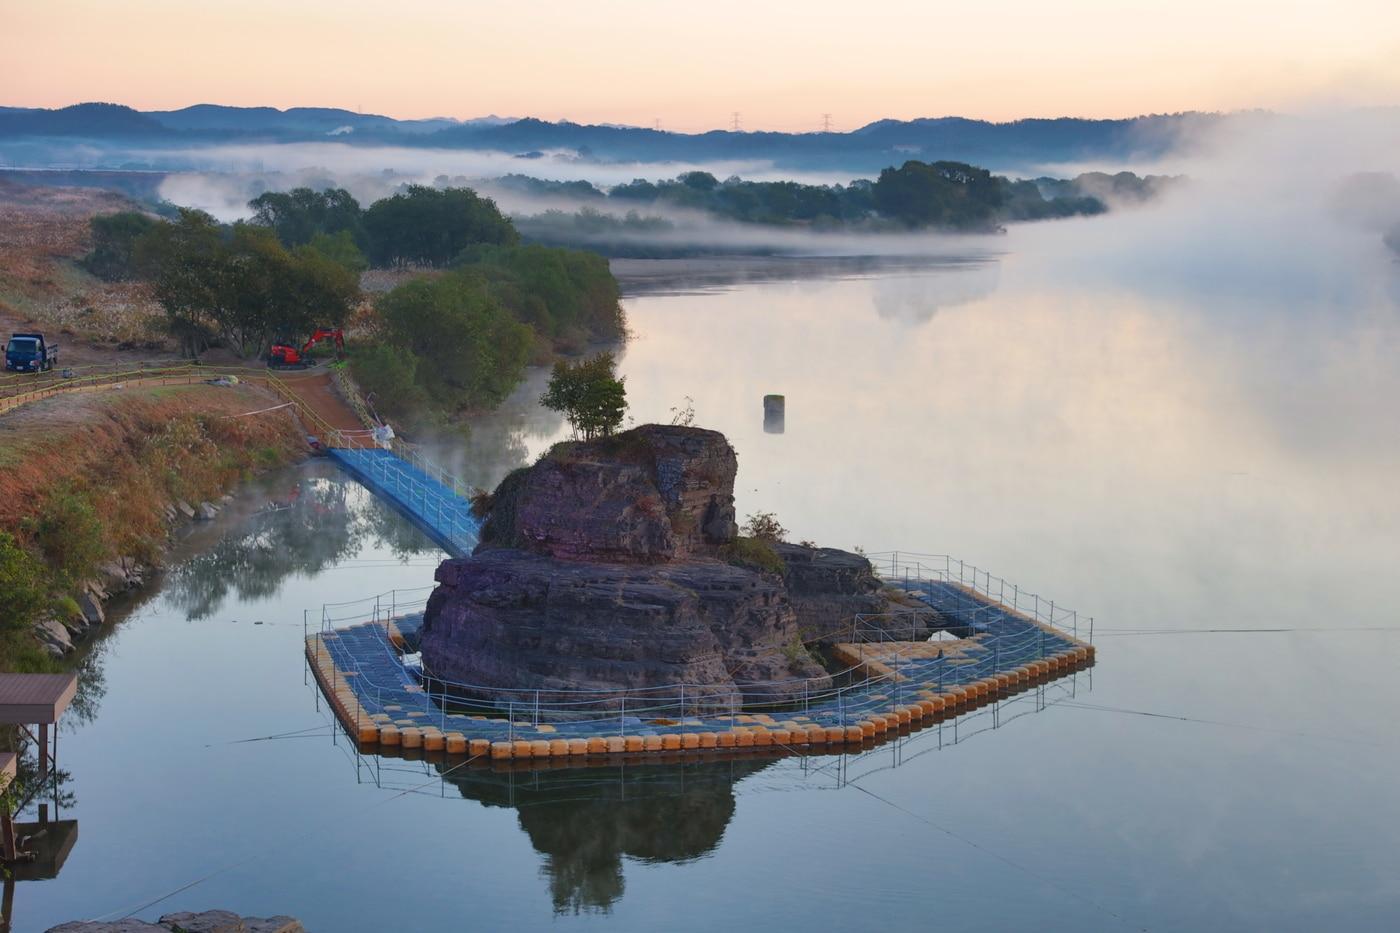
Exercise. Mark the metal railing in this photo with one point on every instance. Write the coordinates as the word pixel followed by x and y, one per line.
pixel 22 390
pixel 892 665
pixel 912 568
pixel 441 506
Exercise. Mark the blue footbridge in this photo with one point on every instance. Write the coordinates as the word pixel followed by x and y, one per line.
pixel 959 638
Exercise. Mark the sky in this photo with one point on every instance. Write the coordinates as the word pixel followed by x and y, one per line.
pixel 780 65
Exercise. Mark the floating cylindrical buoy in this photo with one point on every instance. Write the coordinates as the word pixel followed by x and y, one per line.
pixel 857 734
pixel 456 743
pixel 389 735
pixel 774 414
pixel 540 748
pixel 708 740
pixel 559 747
pixel 616 744
pixel 651 743
pixel 578 746
pixel 670 741
pixel 744 740
pixel 690 740
pixel 410 737
pixel 597 745
pixel 521 749
pixel 727 739
pixel 634 743
pixel 867 728
pixel 479 747
pixel 434 741
pixel 369 732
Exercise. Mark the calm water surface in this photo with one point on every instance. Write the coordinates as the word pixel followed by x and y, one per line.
pixel 1203 459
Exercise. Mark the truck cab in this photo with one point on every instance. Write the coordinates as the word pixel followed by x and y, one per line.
pixel 30 353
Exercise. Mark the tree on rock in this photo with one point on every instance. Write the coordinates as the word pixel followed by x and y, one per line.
pixel 589 394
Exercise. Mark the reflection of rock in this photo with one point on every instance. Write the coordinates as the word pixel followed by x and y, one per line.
pixel 597 570
pixel 914 299
pixel 584 821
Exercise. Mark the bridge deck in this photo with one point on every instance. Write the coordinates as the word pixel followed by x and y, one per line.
pixel 433 505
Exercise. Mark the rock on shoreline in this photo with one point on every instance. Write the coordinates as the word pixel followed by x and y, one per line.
pixel 209 921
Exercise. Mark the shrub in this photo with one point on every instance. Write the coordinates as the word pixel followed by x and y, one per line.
pixel 22 580
pixel 764 526
pixel 589 394
pixel 69 534
pixel 754 554
pixel 388 374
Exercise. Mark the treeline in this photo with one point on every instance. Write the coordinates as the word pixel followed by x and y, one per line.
pixel 942 195
pixel 458 339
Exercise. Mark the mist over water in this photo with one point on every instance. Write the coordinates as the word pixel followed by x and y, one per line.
pixel 1178 420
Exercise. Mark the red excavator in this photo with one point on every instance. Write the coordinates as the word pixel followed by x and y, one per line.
pixel 286 356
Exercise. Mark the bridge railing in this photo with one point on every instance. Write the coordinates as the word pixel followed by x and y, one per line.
pixel 890 663
pixel 442 506
pixel 911 568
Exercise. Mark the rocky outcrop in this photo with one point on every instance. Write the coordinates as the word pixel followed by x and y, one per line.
pixel 655 493
pixel 209 921
pixel 614 565
pixel 506 620
pixel 830 587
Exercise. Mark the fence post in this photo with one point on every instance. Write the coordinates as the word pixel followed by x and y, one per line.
pixel 622 715
pixel 510 722
pixel 537 708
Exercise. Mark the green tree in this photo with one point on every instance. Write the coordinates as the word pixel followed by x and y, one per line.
pixel 241 284
pixel 941 194
pixel 589 394
pixel 431 226
pixel 300 215
pixel 114 239
pixel 22 581
pixel 469 350
pixel 341 248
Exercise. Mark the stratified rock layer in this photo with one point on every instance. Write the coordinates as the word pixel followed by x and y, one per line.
pixel 506 620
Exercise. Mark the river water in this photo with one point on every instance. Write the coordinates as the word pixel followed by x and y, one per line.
pixel 1198 453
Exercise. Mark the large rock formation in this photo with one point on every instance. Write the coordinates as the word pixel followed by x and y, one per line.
pixel 615 565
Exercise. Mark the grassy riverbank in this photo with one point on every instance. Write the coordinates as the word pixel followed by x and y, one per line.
pixel 93 482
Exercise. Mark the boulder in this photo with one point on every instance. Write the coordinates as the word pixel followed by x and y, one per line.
pixel 206 512
pixel 224 921
pixel 129 925
pixel 209 921
pixel 53 635
pixel 185 508
pixel 830 587
pixel 91 608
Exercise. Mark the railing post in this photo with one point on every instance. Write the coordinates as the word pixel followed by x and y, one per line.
pixel 537 709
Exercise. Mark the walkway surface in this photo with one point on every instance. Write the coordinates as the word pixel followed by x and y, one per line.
pixel 426 496
pixel 379 695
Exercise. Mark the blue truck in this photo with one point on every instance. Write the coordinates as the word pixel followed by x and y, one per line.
pixel 30 353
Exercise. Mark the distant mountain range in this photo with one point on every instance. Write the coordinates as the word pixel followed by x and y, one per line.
pixel 868 149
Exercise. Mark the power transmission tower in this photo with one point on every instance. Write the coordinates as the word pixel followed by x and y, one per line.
pixel 656 124
pixel 826 123
pixel 734 121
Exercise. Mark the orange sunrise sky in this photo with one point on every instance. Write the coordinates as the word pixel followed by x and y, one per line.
pixel 780 65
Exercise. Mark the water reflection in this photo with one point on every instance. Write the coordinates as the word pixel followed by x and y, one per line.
pixel 585 821
pixel 300 524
